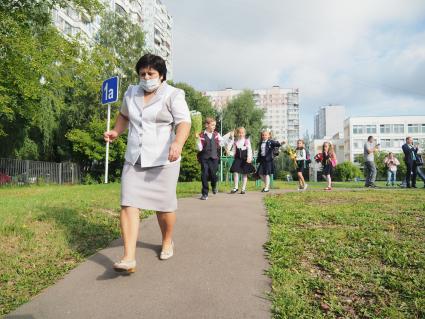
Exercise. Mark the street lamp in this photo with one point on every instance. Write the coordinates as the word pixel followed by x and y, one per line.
pixel 221 148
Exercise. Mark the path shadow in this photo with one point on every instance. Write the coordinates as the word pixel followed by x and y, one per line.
pixel 107 263
pixel 87 234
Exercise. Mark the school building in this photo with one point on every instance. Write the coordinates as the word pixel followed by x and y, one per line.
pixel 389 131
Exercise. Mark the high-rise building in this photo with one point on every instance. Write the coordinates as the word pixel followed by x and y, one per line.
pixel 280 106
pixel 157 25
pixel 151 15
pixel 328 121
pixel 389 131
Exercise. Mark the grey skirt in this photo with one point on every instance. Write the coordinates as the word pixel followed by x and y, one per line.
pixel 152 188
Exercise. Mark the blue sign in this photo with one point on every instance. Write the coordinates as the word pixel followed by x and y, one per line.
pixel 110 90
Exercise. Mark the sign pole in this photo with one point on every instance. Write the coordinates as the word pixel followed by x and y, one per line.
pixel 109 95
pixel 108 124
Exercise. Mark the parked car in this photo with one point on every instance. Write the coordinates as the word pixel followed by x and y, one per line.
pixel 5 179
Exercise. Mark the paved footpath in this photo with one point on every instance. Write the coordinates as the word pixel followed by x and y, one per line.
pixel 217 270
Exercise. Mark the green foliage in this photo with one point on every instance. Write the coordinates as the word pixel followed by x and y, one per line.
pixel 29 149
pixel 380 166
pixel 88 148
pixel 190 169
pixel 125 43
pixel 196 100
pixel 242 111
pixel 347 171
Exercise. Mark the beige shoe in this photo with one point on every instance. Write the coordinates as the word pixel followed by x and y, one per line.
pixel 167 254
pixel 125 266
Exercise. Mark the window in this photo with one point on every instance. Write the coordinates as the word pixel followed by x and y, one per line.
pixel 370 128
pixel 358 129
pixel 423 128
pixel 398 143
pixel 358 144
pixel 413 128
pixel 398 128
pixel 386 143
pixel 385 128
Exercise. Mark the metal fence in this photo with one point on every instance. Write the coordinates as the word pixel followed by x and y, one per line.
pixel 23 172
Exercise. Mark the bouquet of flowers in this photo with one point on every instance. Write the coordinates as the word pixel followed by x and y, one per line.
pixel 292 155
pixel 318 158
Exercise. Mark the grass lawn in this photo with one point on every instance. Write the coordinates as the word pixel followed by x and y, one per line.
pixel 47 230
pixel 347 254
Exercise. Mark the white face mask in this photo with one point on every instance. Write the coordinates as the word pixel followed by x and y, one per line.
pixel 150 85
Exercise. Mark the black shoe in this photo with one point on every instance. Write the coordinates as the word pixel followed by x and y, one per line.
pixel 372 186
pixel 235 190
pixel 204 197
pixel 414 186
pixel 214 191
pixel 242 192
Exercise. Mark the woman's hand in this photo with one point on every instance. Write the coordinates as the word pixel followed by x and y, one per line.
pixel 110 136
pixel 175 151
pixel 249 160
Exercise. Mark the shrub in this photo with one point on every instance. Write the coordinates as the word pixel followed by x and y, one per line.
pixel 347 171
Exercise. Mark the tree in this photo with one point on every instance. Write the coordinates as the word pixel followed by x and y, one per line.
pixel 125 42
pixel 196 101
pixel 242 111
pixel 35 64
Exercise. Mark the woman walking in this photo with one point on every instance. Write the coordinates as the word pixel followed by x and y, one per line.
pixel 158 121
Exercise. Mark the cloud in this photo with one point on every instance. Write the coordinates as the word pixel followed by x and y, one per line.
pixel 367 55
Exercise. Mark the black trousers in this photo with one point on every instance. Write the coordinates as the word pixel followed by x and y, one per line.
pixel 411 172
pixel 208 172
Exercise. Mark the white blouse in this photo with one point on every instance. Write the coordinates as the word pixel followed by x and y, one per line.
pixel 240 143
pixel 301 155
pixel 151 126
pixel 263 148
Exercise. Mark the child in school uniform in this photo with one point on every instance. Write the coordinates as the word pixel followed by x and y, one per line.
pixel 209 143
pixel 301 160
pixel 265 157
pixel 242 153
pixel 329 161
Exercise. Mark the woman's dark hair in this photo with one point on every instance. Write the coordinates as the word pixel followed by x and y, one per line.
pixel 152 61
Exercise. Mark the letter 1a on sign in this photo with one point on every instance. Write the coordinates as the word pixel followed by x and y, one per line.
pixel 109 94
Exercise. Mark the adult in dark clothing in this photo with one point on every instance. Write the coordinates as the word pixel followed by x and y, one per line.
pixel 410 157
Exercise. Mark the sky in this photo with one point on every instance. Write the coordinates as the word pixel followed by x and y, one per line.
pixel 368 55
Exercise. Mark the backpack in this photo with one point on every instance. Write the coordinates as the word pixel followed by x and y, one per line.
pixel 308 157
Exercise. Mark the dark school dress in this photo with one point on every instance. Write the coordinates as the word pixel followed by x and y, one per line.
pixel 240 164
pixel 327 165
pixel 266 166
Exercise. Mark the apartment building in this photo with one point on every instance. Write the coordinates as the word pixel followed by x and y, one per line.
pixel 280 105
